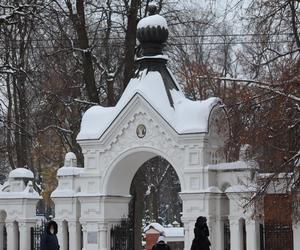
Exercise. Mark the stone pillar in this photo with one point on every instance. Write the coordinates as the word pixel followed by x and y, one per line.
pixel 84 232
pixel 252 235
pixel 211 223
pixel 103 236
pixel 74 235
pixel 219 234
pixel 296 235
pixel 62 235
pixel 1 236
pixel 193 206
pixel 25 236
pixel 12 236
pixel 235 235
pixel 188 234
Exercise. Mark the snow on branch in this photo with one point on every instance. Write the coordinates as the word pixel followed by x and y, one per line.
pixel 279 55
pixel 85 102
pixel 7 69
pixel 20 10
pixel 258 84
pixel 67 131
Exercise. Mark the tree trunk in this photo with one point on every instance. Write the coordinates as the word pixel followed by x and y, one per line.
pixel 9 147
pixel 83 42
pixel 109 71
pixel 130 39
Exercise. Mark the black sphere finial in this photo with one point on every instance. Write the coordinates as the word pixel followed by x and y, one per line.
pixel 152 32
pixel 152 8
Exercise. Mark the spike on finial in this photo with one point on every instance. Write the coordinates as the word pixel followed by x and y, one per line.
pixel 153 8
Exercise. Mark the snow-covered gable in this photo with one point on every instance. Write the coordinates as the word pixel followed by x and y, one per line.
pixel 185 117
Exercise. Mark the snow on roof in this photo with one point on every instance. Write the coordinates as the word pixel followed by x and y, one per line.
pixel 185 117
pixel 213 189
pixel 69 171
pixel 153 21
pixel 70 156
pixel 63 193
pixel 28 193
pixel 229 166
pixel 167 231
pixel 155 226
pixel 174 232
pixel 275 175
pixel 240 189
pixel 21 173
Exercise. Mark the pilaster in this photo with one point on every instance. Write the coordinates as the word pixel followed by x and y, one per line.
pixel 296 235
pixel 103 236
pixel 252 235
pixel 12 236
pixel 74 235
pixel 2 224
pixel 25 235
pixel 235 234
pixel 62 235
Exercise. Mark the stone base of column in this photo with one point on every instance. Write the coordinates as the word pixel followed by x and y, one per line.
pixel 296 236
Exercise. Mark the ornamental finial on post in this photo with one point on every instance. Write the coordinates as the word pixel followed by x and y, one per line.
pixel 152 32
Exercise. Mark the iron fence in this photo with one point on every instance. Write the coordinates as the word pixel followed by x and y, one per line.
pixel 36 235
pixel 226 235
pixel 276 237
pixel 122 236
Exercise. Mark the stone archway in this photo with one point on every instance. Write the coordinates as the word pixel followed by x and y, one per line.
pixel 118 178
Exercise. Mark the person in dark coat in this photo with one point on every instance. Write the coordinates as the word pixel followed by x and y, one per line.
pixel 161 244
pixel 49 239
pixel 201 241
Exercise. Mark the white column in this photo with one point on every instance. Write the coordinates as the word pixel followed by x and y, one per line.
pixel 12 236
pixel 74 235
pixel 25 237
pixel 296 235
pixel 252 235
pixel 219 234
pixel 211 223
pixel 1 236
pixel 235 235
pixel 188 233
pixel 84 232
pixel 103 236
pixel 61 235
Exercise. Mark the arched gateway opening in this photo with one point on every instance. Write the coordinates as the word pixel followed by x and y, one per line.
pixel 155 197
pixel 142 174
pixel 119 177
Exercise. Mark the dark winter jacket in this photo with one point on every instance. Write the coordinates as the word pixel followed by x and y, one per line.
pixel 201 241
pixel 161 246
pixel 49 241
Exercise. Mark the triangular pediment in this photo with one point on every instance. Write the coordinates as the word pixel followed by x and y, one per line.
pixel 137 108
pixel 182 115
